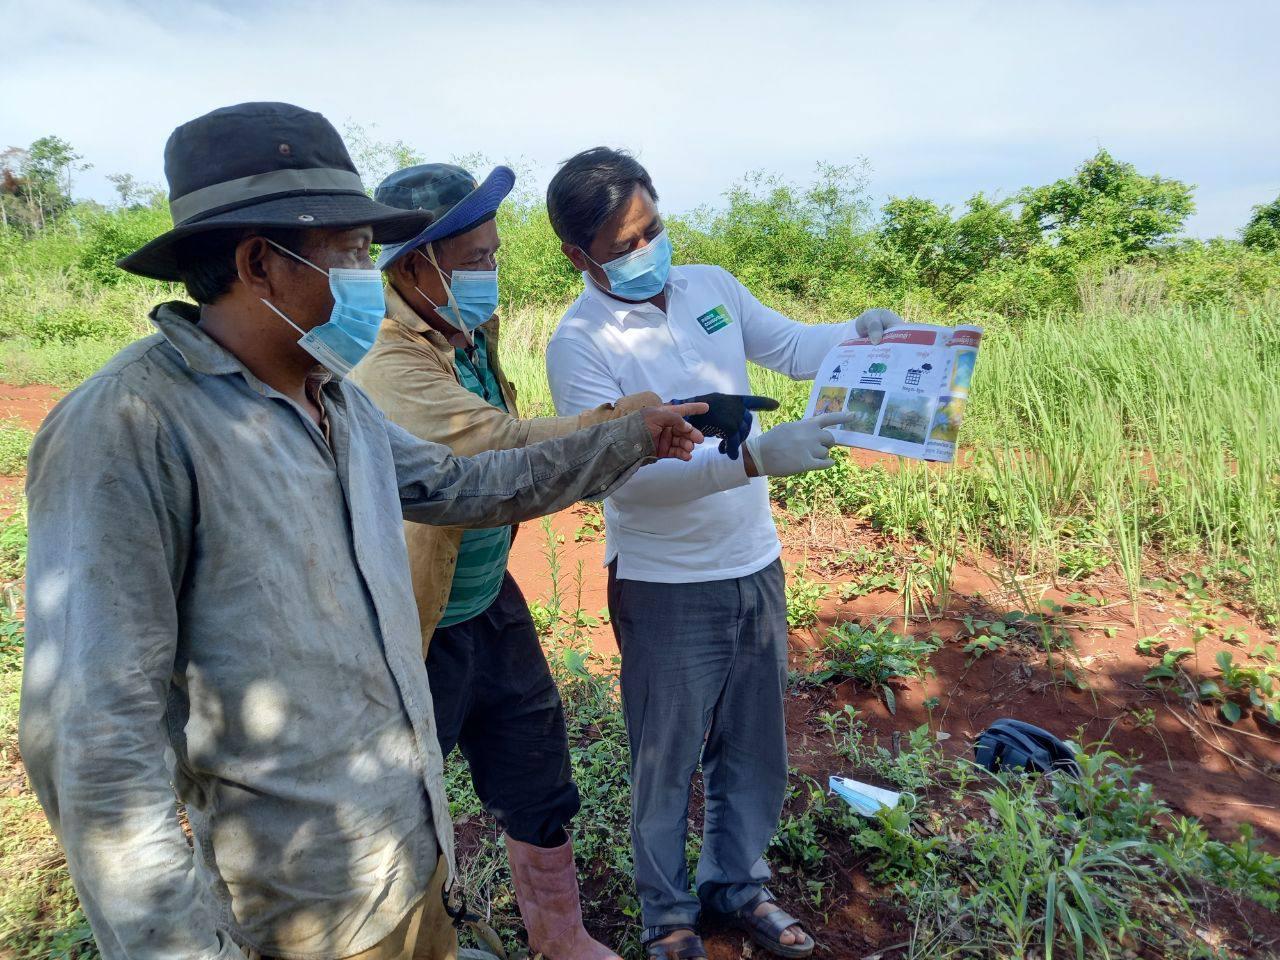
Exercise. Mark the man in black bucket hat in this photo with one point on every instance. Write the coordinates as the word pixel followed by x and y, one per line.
pixel 218 596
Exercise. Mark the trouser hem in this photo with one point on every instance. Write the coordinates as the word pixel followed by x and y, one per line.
pixel 660 930
pixel 712 901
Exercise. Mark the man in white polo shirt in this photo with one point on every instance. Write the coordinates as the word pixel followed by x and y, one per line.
pixel 695 581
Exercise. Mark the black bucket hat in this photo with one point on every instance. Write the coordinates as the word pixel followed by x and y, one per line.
pixel 266 165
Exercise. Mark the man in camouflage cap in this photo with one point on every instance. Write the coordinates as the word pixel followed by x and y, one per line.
pixel 435 370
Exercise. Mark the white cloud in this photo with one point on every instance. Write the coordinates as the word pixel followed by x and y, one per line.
pixel 943 99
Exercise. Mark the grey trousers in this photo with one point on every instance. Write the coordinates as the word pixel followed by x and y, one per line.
pixel 704 671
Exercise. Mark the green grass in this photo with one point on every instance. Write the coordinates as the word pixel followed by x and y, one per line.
pixel 983 865
pixel 1133 437
pixel 15 441
pixel 56 364
pixel 58 325
pixel 1109 437
pixel 1007 866
pixel 40 918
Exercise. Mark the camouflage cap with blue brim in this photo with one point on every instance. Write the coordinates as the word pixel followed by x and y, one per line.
pixel 453 198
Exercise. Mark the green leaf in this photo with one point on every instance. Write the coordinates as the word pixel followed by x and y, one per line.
pixel 1230 712
pixel 1209 690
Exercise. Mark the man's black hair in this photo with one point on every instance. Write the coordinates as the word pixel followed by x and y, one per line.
pixel 590 188
pixel 207 261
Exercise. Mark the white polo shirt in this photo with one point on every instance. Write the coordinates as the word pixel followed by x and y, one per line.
pixel 678 522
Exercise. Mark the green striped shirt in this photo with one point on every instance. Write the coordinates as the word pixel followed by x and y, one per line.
pixel 482 554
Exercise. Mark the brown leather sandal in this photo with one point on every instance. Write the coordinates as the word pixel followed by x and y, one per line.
pixel 766 930
pixel 688 947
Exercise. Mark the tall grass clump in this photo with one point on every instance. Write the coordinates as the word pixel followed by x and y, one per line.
pixel 1146 435
pixel 1156 427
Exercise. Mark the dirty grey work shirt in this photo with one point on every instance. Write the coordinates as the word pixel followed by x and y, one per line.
pixel 218 598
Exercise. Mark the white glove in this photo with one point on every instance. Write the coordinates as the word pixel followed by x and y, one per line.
pixel 795 447
pixel 874 322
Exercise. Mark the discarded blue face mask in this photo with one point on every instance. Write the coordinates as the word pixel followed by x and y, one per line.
pixel 865 799
pixel 642 273
pixel 358 309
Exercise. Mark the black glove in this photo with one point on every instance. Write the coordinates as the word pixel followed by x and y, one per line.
pixel 728 417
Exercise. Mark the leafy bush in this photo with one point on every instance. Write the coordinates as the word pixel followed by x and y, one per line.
pixel 110 236
pixel 532 269
pixel 803 597
pixel 1262 232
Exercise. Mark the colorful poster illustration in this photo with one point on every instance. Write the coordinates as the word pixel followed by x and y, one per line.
pixel 905 395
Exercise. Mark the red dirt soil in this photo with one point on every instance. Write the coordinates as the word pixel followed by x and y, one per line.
pixel 27 405
pixel 1225 776
pixel 1195 776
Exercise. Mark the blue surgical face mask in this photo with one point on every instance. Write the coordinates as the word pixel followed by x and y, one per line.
pixel 473 296
pixel 358 308
pixel 865 799
pixel 640 274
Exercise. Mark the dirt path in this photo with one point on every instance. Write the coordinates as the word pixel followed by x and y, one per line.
pixel 28 405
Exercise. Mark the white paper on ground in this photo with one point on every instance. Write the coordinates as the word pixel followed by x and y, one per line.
pixel 863 797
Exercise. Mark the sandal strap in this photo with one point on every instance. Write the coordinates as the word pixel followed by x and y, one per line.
pixel 688 947
pixel 762 896
pixel 772 924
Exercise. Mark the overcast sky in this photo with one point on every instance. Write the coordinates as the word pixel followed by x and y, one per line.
pixel 942 99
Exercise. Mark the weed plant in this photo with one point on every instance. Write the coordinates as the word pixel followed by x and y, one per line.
pixel 15 441
pixel 1023 866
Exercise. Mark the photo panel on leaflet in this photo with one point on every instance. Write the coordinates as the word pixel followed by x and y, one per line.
pixel 907 417
pixel 865 404
pixel 946 422
pixel 830 400
pixel 962 372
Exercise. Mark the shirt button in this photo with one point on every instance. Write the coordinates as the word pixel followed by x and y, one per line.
pixel 635 448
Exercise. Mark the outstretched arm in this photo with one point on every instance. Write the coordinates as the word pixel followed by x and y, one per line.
pixel 507 486
pixel 579 379
pixel 796 349
pixel 418 390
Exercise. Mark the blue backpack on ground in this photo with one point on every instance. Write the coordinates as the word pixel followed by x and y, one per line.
pixel 1013 743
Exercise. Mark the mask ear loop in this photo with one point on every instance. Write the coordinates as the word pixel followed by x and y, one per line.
pixel 301 259
pixel 430 257
pixel 599 266
pixel 297 256
pixel 279 313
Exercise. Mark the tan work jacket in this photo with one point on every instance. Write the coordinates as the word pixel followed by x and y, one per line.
pixel 410 374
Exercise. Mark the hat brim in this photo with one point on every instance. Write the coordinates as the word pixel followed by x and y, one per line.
pixel 333 211
pixel 477 206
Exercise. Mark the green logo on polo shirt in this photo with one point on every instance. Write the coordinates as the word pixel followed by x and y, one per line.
pixel 717 318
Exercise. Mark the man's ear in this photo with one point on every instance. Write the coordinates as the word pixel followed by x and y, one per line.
pixel 257 268
pixel 402 275
pixel 576 256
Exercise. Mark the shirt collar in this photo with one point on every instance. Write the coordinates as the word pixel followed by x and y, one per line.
pixel 178 322
pixel 620 310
